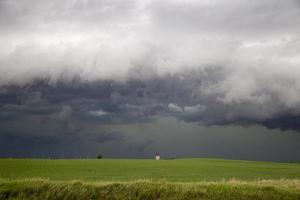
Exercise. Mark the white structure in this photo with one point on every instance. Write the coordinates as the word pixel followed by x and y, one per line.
pixel 157 157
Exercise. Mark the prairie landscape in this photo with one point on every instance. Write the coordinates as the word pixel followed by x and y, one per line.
pixel 195 178
pixel 164 100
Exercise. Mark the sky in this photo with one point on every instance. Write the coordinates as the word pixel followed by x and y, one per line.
pixel 130 78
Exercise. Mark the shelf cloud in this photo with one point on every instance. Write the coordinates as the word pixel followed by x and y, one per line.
pixel 80 63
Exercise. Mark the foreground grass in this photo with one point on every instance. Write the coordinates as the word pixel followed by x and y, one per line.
pixel 184 170
pixel 206 179
pixel 148 190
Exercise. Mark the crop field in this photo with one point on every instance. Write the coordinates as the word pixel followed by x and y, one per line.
pixel 147 179
pixel 187 170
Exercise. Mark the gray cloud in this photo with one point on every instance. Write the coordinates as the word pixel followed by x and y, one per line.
pixel 63 117
pixel 72 66
pixel 182 95
pixel 124 39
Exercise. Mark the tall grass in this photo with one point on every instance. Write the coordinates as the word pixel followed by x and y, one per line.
pixel 148 190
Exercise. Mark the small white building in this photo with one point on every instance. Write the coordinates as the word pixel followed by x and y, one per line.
pixel 157 157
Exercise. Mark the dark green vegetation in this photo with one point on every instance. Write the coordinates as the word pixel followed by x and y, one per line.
pixel 144 190
pixel 207 179
pixel 186 170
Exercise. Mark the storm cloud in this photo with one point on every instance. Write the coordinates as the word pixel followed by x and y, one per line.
pixel 75 66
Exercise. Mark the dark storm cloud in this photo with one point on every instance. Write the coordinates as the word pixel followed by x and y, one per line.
pixel 72 67
pixel 107 136
pixel 135 101
pixel 28 145
pixel 287 122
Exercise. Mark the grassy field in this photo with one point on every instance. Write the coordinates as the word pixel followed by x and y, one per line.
pixel 147 179
pixel 147 190
pixel 126 169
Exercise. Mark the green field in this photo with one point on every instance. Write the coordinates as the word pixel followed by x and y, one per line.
pixel 188 170
pixel 147 179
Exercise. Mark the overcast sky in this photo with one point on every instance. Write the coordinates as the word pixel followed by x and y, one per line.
pixel 129 78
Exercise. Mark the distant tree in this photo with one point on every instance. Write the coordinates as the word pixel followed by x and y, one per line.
pixel 99 156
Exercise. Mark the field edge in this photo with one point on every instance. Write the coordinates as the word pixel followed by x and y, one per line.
pixel 147 189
